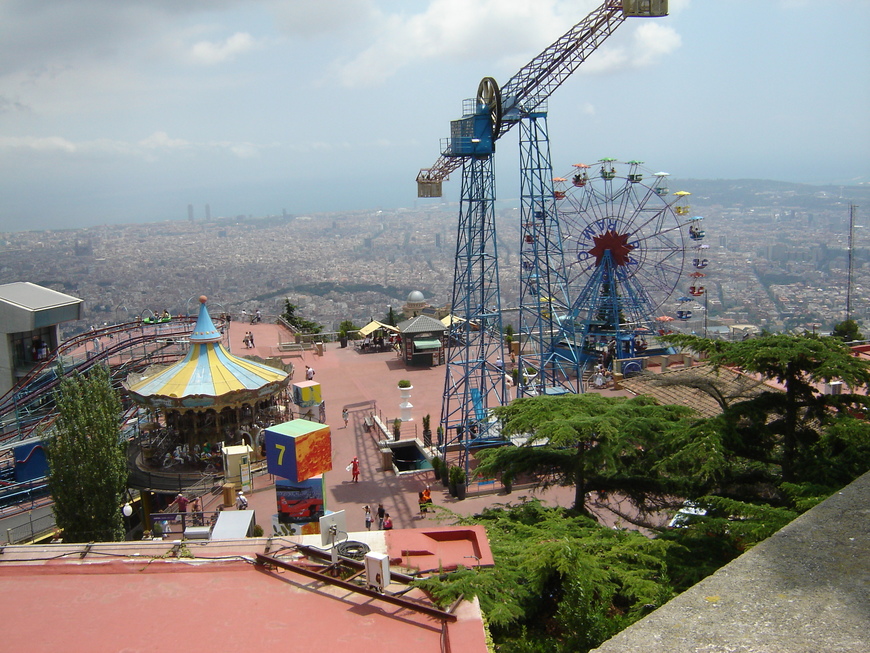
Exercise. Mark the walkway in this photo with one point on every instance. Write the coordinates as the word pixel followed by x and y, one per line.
pixel 355 380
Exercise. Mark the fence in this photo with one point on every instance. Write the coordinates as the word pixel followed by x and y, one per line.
pixel 30 530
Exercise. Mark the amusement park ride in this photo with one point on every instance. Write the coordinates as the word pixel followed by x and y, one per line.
pixel 550 351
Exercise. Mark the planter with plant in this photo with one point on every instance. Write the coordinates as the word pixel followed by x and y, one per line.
pixel 457 482
pixel 405 407
pixel 397 428
pixel 427 432
pixel 437 467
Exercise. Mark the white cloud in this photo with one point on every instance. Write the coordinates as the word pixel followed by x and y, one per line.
pixel 215 52
pixel 43 144
pixel 149 148
pixel 507 32
pixel 161 140
pixel 653 41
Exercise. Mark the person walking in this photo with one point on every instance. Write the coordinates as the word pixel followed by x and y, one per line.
pixel 241 501
pixel 381 513
pixel 368 517
pixel 345 416
pixel 354 469
pixel 309 373
pixel 181 501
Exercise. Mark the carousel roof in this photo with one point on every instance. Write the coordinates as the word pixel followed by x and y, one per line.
pixel 208 375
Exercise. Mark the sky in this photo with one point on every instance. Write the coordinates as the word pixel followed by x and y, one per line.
pixel 118 112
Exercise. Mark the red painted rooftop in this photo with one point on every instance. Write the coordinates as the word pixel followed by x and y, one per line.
pixel 53 599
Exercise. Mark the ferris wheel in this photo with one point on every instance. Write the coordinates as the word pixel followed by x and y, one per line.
pixel 626 240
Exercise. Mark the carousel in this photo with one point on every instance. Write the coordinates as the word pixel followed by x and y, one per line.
pixel 206 401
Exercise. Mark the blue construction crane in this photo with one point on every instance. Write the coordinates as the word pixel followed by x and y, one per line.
pixel 475 378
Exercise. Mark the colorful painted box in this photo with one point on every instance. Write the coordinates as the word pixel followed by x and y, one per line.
pixel 306 394
pixel 298 450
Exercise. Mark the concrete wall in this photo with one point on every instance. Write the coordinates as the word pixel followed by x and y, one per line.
pixel 806 589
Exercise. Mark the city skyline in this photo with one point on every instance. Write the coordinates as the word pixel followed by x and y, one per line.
pixel 118 113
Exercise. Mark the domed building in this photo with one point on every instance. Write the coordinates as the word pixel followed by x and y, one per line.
pixel 417 305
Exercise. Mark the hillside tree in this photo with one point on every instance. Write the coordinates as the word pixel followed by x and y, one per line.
pixel 589 441
pixel 86 460
pixel 784 428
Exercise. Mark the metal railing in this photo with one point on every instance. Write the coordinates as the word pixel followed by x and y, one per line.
pixel 33 528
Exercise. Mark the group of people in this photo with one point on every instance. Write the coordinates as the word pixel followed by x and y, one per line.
pixel 385 522
pixel 256 316
pixel 248 340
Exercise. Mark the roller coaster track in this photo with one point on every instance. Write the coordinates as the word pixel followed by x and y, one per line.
pixel 28 408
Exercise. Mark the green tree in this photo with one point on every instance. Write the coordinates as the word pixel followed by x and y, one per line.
pixel 391 317
pixel 847 331
pixel 346 328
pixel 86 460
pixel 592 442
pixel 561 582
pixel 783 427
pixel 299 323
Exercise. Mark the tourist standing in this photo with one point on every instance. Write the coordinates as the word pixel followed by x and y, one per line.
pixel 381 513
pixel 368 517
pixel 345 417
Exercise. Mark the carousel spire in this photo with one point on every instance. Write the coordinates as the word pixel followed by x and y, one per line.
pixel 204 331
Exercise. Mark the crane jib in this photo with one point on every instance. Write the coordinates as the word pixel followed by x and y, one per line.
pixel 538 79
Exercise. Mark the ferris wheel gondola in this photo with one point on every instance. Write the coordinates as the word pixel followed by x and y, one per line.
pixel 625 247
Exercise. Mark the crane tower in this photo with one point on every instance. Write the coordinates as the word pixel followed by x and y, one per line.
pixel 475 379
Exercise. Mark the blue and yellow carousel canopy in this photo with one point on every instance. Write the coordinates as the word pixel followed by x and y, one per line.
pixel 208 375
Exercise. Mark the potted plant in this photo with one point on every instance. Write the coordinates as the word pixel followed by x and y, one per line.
pixel 404 383
pixel 440 436
pixel 437 465
pixel 397 428
pixel 447 479
pixel 457 482
pixel 427 432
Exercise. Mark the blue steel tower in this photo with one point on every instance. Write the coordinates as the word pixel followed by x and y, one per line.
pixel 474 380
pixel 548 358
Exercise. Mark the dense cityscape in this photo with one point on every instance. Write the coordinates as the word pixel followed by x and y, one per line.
pixel 778 252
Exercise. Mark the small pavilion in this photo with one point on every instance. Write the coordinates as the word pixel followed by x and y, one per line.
pixel 422 340
pixel 207 399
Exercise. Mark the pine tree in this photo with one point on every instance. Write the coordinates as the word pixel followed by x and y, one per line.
pixel 87 465
pixel 589 441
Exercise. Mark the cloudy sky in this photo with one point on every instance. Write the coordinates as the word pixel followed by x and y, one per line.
pixel 129 111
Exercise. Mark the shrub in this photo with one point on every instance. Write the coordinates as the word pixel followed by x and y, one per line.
pixel 404 383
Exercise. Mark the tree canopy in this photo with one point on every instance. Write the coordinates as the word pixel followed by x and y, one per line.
pixel 847 331
pixel 87 463
pixel 786 425
pixel 561 582
pixel 298 322
pixel 592 442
